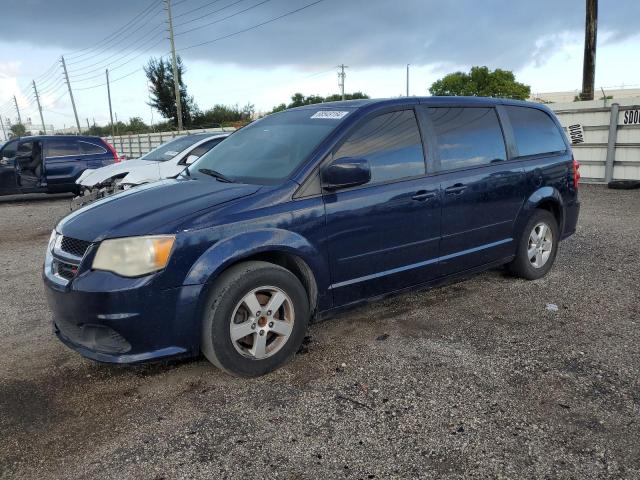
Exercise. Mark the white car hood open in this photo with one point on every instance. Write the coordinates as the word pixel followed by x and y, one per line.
pixel 91 178
pixel 153 172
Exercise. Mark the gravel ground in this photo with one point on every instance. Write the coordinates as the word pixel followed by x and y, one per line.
pixel 477 379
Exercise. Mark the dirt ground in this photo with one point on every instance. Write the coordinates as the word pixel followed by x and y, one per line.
pixel 473 380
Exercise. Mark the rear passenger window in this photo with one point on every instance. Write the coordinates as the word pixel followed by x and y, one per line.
pixel 535 132
pixel 391 143
pixel 467 137
pixel 62 148
pixel 205 147
pixel 89 148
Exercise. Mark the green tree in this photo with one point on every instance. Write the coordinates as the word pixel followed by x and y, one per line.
pixel 481 82
pixel 221 115
pixel 160 75
pixel 299 100
pixel 18 130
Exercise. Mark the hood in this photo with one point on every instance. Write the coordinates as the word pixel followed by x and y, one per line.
pixel 153 172
pixel 91 178
pixel 147 208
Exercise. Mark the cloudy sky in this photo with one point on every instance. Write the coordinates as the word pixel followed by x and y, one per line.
pixel 228 61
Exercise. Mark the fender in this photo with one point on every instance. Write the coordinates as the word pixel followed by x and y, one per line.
pixel 245 244
pixel 541 195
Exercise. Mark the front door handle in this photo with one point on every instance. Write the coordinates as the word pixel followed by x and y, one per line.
pixel 422 195
pixel 456 189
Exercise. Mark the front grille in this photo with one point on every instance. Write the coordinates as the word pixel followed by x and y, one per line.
pixel 74 247
pixel 66 270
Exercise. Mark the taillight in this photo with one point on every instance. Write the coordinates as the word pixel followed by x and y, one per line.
pixel 576 173
pixel 116 158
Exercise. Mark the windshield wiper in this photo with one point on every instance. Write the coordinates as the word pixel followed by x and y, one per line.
pixel 217 175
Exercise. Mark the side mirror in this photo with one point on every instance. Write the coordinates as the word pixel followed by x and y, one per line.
pixel 190 159
pixel 346 172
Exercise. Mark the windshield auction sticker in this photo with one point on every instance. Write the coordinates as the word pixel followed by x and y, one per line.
pixel 331 114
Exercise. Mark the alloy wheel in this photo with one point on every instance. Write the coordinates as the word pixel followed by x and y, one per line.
pixel 262 322
pixel 540 245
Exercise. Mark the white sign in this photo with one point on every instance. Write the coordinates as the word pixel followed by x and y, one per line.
pixel 576 133
pixel 631 117
pixel 331 114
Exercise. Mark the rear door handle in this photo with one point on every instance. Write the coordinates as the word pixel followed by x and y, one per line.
pixel 422 195
pixel 456 189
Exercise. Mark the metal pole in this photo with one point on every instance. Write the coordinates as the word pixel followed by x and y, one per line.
pixel 589 64
pixel 341 77
pixel 611 143
pixel 174 64
pixel 35 91
pixel 73 103
pixel 15 101
pixel 113 133
pixel 407 79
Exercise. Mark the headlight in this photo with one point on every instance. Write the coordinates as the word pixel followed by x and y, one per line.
pixel 134 256
pixel 52 241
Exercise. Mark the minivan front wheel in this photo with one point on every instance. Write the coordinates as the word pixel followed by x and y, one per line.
pixel 256 318
pixel 537 246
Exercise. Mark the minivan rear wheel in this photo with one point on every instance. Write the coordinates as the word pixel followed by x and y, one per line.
pixel 537 246
pixel 255 320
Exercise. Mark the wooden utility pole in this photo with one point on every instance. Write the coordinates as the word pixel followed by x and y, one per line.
pixel 113 133
pixel 174 65
pixel 589 65
pixel 35 91
pixel 15 102
pixel 73 102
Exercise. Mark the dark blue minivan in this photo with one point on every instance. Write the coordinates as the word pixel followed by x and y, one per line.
pixel 307 212
pixel 50 163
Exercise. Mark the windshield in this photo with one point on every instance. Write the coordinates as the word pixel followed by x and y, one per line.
pixel 168 150
pixel 268 151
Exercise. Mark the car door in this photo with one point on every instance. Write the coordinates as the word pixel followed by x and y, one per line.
pixel 482 192
pixel 383 236
pixel 8 174
pixel 63 161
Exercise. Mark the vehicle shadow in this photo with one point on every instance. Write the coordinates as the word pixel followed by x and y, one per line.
pixel 35 197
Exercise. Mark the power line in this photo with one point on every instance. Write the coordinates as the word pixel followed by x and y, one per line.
pixel 195 9
pixel 116 34
pixel 208 14
pixel 146 39
pixel 225 18
pixel 124 43
pixel 253 26
pixel 83 76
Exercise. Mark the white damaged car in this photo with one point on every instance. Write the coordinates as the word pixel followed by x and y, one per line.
pixel 165 161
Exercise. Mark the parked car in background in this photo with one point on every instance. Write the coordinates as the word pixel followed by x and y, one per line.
pixel 50 163
pixel 165 161
pixel 304 213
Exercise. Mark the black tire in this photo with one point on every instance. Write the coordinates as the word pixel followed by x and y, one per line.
pixel 522 266
pixel 227 292
pixel 624 184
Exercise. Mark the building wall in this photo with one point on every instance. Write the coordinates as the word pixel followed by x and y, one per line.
pixel 623 159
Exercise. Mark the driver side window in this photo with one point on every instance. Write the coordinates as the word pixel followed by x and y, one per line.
pixel 391 143
pixel 9 151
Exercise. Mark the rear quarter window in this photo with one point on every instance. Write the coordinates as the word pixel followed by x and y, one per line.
pixel 62 148
pixel 89 148
pixel 535 132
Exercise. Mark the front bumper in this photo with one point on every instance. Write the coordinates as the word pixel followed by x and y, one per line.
pixel 113 319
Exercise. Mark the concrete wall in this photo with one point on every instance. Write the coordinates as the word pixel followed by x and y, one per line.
pixel 611 149
pixel 134 146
